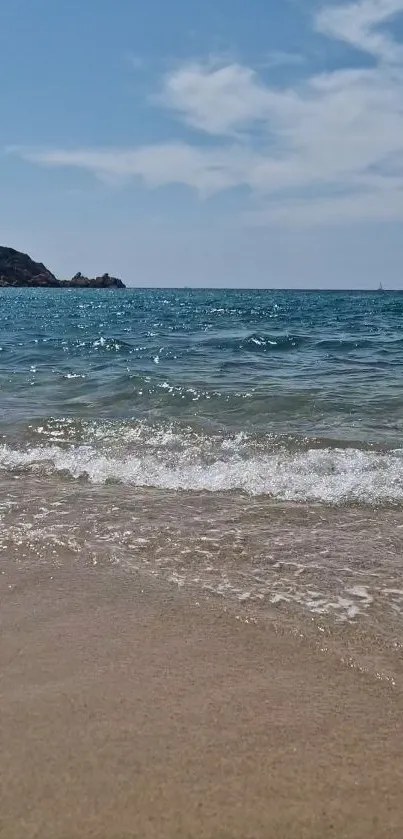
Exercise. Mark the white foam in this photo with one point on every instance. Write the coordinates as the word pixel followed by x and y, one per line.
pixel 328 475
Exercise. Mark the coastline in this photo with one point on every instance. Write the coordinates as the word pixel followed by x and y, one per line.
pixel 18 270
pixel 129 711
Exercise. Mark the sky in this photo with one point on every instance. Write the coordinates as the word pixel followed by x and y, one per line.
pixel 215 143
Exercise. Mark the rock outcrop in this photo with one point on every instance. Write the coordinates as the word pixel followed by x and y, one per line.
pixel 78 281
pixel 18 270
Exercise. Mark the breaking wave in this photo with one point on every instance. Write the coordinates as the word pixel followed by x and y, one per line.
pixel 330 475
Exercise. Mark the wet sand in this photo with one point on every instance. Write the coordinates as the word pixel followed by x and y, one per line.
pixel 137 713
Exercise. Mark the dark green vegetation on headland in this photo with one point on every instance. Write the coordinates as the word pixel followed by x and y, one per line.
pixel 18 270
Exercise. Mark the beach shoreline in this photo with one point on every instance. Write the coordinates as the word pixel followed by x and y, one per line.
pixel 127 710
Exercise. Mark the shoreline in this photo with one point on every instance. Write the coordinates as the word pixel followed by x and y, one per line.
pixel 129 711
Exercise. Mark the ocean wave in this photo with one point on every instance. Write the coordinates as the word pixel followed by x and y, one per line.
pixel 255 343
pixel 328 475
pixel 373 343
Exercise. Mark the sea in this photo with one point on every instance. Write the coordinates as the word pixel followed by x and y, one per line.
pixel 244 446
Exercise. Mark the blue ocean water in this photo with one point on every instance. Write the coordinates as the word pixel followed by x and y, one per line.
pixel 297 395
pixel 247 444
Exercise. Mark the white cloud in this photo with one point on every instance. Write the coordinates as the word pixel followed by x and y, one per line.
pixel 357 25
pixel 217 100
pixel 339 132
pixel 160 165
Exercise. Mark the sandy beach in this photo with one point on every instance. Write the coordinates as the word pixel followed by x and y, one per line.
pixel 127 710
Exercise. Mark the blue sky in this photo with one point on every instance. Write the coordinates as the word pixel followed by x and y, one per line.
pixel 216 143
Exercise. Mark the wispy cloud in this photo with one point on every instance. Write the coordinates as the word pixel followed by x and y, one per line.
pixel 216 100
pixel 339 132
pixel 136 62
pixel 363 206
pixel 357 25
pixel 160 165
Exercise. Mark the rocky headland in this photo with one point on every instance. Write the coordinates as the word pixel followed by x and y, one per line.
pixel 18 270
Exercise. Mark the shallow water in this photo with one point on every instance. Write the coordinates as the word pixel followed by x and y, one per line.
pixel 247 444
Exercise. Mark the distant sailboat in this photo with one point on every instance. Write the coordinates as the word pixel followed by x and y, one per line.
pixel 380 287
